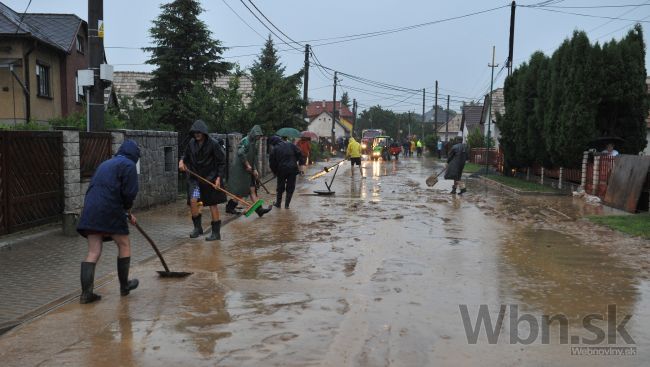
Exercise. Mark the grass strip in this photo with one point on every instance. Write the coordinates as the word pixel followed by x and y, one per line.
pixel 636 225
pixel 520 184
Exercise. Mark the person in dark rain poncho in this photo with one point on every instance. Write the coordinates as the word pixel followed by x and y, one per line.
pixel 107 206
pixel 284 161
pixel 205 157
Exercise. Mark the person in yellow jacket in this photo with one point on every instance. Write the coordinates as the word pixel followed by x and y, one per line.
pixel 353 153
pixel 418 147
pixel 412 148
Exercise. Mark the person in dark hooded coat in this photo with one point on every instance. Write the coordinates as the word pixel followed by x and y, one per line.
pixel 107 206
pixel 455 165
pixel 207 158
pixel 284 161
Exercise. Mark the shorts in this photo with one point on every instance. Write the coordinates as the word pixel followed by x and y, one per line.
pixel 356 161
pixel 195 192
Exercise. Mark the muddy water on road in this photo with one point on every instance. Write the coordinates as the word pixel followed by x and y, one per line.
pixel 372 276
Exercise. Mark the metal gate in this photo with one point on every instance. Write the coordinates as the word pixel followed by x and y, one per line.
pixel 31 179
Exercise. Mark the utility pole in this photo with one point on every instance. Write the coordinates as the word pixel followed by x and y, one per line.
pixel 488 137
pixel 409 124
pixel 354 112
pixel 447 124
pixel 96 58
pixel 423 95
pixel 513 6
pixel 435 113
pixel 334 110
pixel 305 92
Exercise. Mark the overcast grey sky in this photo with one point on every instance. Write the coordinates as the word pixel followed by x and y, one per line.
pixel 456 53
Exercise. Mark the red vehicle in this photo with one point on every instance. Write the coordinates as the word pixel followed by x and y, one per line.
pixel 367 138
pixel 395 149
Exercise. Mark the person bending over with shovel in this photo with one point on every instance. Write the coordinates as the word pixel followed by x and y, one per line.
pixel 455 164
pixel 205 157
pixel 243 175
pixel 284 160
pixel 107 204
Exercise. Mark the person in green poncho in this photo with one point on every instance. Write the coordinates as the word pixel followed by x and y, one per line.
pixel 243 172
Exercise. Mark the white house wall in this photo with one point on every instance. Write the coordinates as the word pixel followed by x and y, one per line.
pixel 322 126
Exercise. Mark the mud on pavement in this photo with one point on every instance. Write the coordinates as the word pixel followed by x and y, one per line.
pixel 376 275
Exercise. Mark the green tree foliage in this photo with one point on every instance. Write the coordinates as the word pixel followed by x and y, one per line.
pixel 555 106
pixel 345 99
pixel 475 138
pixel 276 100
pixel 187 61
pixel 378 118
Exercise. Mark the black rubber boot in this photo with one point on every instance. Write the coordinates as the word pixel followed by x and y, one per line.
pixel 278 201
pixel 453 190
pixel 198 228
pixel 463 190
pixel 88 283
pixel 261 211
pixel 216 232
pixel 231 207
pixel 126 285
pixel 288 200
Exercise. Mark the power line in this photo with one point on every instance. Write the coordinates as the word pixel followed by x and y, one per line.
pixel 267 27
pixel 242 19
pixel 586 15
pixel 593 6
pixel 273 25
pixel 22 17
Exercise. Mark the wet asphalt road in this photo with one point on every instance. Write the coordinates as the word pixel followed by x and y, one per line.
pixel 376 275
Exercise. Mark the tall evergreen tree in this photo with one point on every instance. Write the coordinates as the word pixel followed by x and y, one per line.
pixel 345 99
pixel 276 100
pixel 187 61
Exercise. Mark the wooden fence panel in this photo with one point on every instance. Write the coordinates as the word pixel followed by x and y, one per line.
pixel 32 174
pixel 94 148
pixel 4 204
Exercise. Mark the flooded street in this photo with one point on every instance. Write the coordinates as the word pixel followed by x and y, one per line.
pixel 376 275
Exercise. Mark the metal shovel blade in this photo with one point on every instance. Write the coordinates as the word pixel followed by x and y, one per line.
pixel 173 274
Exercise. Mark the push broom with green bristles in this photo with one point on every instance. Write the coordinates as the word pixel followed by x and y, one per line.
pixel 251 207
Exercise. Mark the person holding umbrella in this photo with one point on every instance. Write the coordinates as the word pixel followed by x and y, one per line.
pixel 284 161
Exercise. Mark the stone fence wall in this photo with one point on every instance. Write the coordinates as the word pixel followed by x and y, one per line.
pixel 157 176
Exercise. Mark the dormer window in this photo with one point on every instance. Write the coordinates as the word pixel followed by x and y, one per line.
pixel 80 44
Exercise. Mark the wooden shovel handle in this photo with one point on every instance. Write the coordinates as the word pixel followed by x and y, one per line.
pixel 219 188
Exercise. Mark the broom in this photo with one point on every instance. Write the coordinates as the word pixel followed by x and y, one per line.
pixel 251 206
pixel 433 179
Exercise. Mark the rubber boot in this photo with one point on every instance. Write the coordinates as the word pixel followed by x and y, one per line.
pixel 278 200
pixel 198 228
pixel 462 191
pixel 261 211
pixel 288 200
pixel 216 232
pixel 126 285
pixel 453 190
pixel 88 283
pixel 231 207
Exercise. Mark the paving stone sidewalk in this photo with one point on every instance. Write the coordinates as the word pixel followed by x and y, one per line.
pixel 40 270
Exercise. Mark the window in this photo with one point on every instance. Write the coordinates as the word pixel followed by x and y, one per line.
pixel 43 80
pixel 80 44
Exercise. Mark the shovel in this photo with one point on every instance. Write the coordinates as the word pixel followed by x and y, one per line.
pixel 166 273
pixel 433 179
pixel 251 207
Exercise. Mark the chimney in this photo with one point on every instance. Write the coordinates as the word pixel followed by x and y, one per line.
pixel 323 105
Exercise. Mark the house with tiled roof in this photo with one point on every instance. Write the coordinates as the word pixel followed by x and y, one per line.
pixel 322 126
pixel 452 128
pixel 40 55
pixel 471 118
pixel 126 84
pixel 498 108
pixel 315 109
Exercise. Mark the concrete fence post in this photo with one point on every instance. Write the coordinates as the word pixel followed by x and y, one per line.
pixel 72 193
pixel 559 184
pixel 596 177
pixel 583 176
